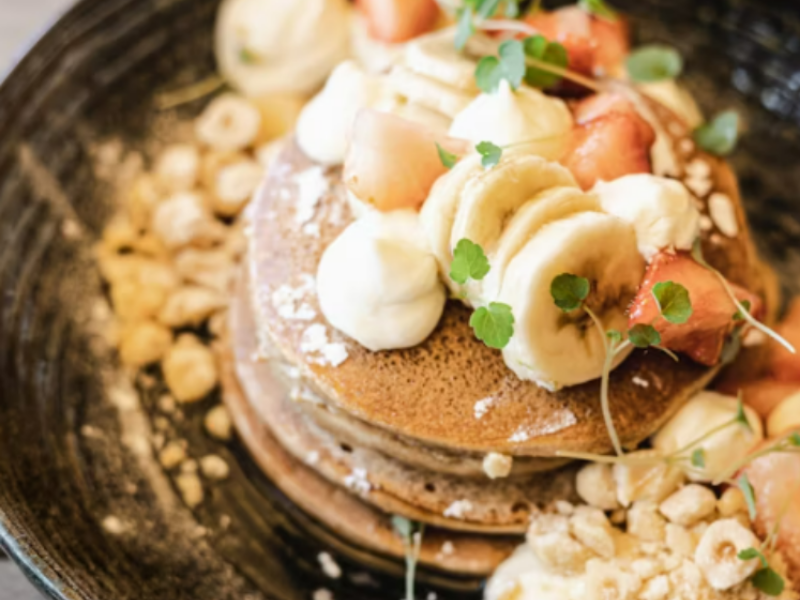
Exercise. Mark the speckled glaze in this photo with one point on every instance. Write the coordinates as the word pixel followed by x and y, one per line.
pixel 73 446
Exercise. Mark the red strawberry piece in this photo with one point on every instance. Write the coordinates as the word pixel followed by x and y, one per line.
pixel 396 21
pixel 784 365
pixel 607 148
pixel 704 334
pixel 605 103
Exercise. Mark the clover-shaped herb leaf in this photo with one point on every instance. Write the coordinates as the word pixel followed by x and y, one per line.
pixel 469 262
pixel 493 325
pixel 654 63
pixel 673 302
pixel 569 291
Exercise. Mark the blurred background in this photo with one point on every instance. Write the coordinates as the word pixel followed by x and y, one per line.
pixel 20 22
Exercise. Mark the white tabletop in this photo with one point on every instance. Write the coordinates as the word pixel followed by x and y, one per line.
pixel 19 21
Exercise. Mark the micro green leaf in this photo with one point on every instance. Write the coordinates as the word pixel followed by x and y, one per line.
pixel 644 336
pixel 654 63
pixel 491 154
pixel 493 325
pixel 699 458
pixel 751 554
pixel 512 9
pixel 247 56
pixel 673 302
pixel 614 336
pixel 403 526
pixel 749 495
pixel 598 8
pixel 448 159
pixel 508 65
pixel 465 27
pixel 553 53
pixel 469 262
pixel 741 416
pixel 794 440
pixel 489 74
pixel 769 582
pixel 739 315
pixel 569 291
pixel 487 8
pixel 512 58
pixel 719 136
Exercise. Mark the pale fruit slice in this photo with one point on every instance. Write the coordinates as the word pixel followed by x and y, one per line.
pixel 546 207
pixel 393 163
pixel 776 480
pixel 556 349
pixel 395 21
pixel 435 56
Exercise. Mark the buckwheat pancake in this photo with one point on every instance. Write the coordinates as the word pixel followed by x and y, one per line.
pixel 490 507
pixel 343 513
pixel 431 393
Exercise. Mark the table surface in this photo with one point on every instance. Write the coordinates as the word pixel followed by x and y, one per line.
pixel 20 21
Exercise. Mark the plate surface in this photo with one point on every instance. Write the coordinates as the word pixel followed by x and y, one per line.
pixel 74 440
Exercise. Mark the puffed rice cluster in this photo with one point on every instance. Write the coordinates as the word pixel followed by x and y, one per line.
pixel 169 257
pixel 644 534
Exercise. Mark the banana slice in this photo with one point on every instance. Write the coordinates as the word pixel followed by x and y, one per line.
pixel 435 56
pixel 428 92
pixel 546 207
pixel 491 198
pixel 439 211
pixel 550 347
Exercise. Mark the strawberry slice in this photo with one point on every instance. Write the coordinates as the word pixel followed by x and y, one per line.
pixel 393 163
pixel 612 44
pixel 607 148
pixel 597 105
pixel 593 45
pixel 395 21
pixel 784 365
pixel 703 335
pixel 776 481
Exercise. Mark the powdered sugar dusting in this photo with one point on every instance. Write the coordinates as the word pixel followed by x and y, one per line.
pixel 482 407
pixel 290 301
pixel 640 381
pixel 458 509
pixel 312 185
pixel 315 342
pixel 358 481
pixel 558 421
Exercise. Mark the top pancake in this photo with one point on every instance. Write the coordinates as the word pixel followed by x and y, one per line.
pixel 429 392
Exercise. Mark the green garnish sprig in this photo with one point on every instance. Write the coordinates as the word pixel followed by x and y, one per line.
pixel 570 293
pixel 492 324
pixel 411 533
pixel 599 9
pixel 480 10
pixel 490 154
pixel 448 159
pixel 720 135
pixel 742 311
pixel 766 578
pixel 654 63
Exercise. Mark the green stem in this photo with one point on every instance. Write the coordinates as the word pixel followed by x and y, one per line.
pixel 697 253
pixel 627 459
pixel 702 438
pixel 604 383
pixel 190 93
pixel 778 446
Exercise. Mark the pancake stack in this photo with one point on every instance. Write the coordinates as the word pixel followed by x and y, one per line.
pixel 355 436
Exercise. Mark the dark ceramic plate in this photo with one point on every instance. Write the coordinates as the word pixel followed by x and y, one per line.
pixel 74 452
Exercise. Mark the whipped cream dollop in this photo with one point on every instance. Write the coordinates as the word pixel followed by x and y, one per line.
pixel 704 413
pixel 323 129
pixel 272 46
pixel 661 211
pixel 524 577
pixel 378 282
pixel 511 117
